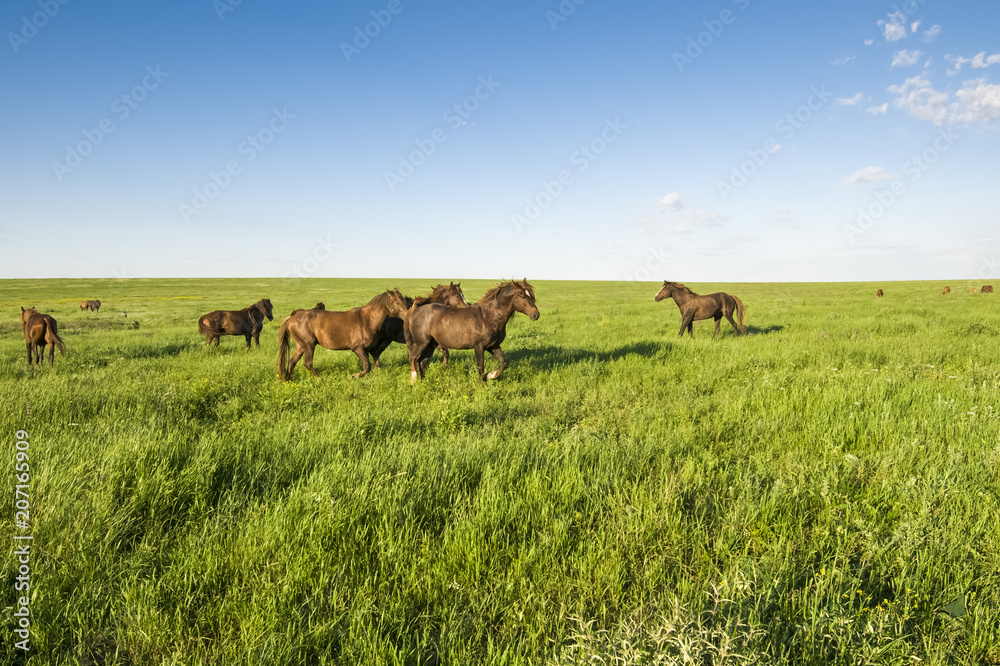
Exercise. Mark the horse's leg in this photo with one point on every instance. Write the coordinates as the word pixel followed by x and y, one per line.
pixel 376 350
pixel 308 359
pixel 365 365
pixel 425 356
pixel 686 322
pixel 480 363
pixel 248 336
pixel 690 327
pixel 718 320
pixel 502 359
pixel 729 318
pixel 296 355
pixel 444 353
pixel 27 344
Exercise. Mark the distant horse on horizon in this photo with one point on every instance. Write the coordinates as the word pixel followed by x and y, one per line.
pixel 39 330
pixel 709 306
pixel 247 322
pixel 481 326
pixel 987 289
pixel 879 294
pixel 353 330
pixel 947 290
pixel 392 330
pixel 90 305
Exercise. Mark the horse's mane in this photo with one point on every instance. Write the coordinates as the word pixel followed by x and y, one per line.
pixel 381 301
pixel 683 288
pixel 494 292
pixel 436 292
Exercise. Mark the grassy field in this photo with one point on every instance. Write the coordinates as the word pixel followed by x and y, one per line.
pixel 825 490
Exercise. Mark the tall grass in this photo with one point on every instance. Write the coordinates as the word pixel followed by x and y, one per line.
pixel 817 492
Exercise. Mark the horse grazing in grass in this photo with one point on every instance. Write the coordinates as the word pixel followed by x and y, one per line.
pixel 90 305
pixel 39 330
pixel 353 329
pixel 879 294
pixel 710 306
pixel 947 290
pixel 392 330
pixel 987 289
pixel 247 322
pixel 481 326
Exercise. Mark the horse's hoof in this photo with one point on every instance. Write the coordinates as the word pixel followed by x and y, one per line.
pixel 493 375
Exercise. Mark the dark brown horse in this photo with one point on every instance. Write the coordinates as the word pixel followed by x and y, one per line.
pixel 392 330
pixel 987 289
pixel 247 322
pixel 354 329
pixel 481 326
pixel 879 294
pixel 39 330
pixel 710 306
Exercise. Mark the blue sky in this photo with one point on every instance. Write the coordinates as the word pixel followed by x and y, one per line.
pixel 718 141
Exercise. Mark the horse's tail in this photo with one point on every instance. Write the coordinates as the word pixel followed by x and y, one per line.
pixel 283 343
pixel 407 336
pixel 54 330
pixel 203 326
pixel 741 310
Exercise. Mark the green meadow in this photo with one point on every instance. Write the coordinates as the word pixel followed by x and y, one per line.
pixel 824 490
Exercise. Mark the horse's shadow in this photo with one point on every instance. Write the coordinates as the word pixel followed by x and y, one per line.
pixel 764 330
pixel 548 357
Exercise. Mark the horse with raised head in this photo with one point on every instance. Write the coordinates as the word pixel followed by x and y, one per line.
pixel 353 330
pixel 392 330
pixel 247 322
pixel 481 326
pixel 709 306
pixel 39 330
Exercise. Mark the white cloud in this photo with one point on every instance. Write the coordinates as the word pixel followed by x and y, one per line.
pixel 977 101
pixel 915 25
pixel 672 201
pixel 844 60
pixel 918 97
pixel 872 174
pixel 869 42
pixel 850 101
pixel 931 33
pixel 876 110
pixel 981 60
pixel 895 28
pixel 905 58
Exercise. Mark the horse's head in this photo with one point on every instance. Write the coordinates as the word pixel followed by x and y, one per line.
pixel 452 296
pixel 524 299
pixel 266 308
pixel 396 303
pixel 666 291
pixel 27 314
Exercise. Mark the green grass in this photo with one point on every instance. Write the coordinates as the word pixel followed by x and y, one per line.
pixel 814 493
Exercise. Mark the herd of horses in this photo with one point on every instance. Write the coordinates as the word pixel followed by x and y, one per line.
pixel 442 320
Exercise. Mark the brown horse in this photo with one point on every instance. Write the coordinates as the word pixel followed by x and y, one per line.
pixel 90 305
pixel 247 322
pixel 987 289
pixel 354 329
pixel 947 290
pixel 39 330
pixel 392 330
pixel 879 294
pixel 481 326
pixel 709 306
